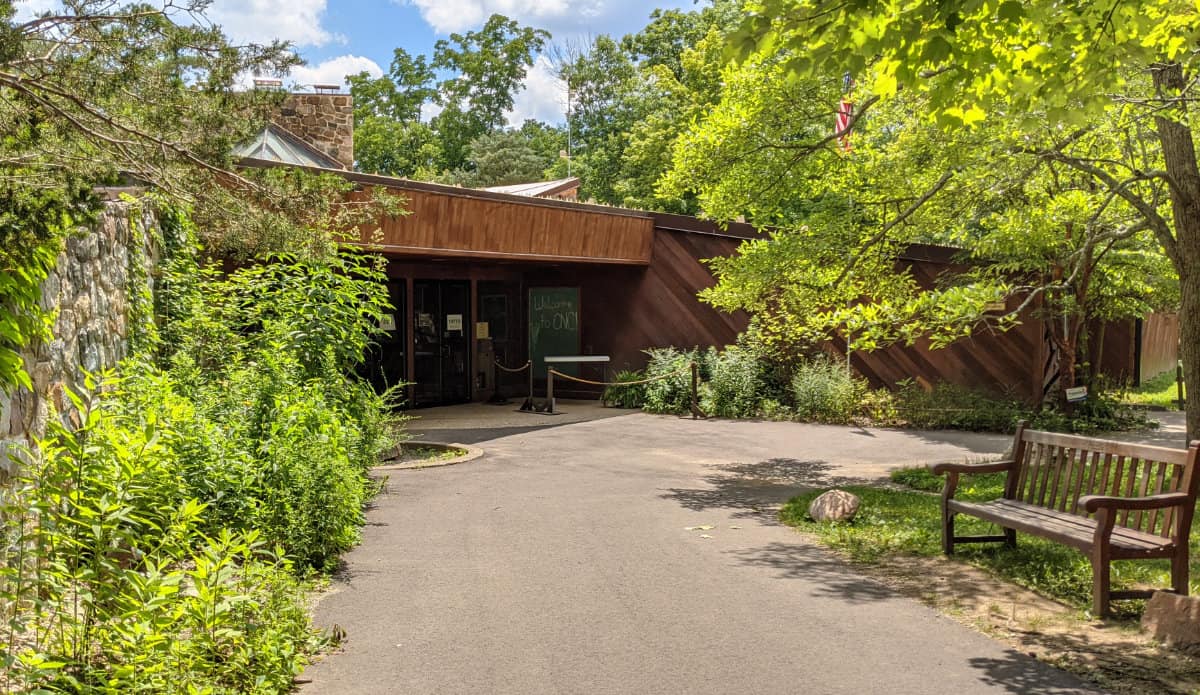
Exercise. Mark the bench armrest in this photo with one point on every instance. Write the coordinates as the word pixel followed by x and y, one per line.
pixel 970 468
pixel 1092 503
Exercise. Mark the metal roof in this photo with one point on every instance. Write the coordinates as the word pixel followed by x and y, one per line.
pixel 275 144
pixel 537 189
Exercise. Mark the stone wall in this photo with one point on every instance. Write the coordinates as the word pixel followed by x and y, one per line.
pixel 325 121
pixel 90 289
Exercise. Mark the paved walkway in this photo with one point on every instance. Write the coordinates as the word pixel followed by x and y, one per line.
pixel 561 562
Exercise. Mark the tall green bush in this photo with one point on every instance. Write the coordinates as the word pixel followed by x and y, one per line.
pixel 825 391
pixel 112 578
pixel 166 540
pixel 671 390
pixel 736 383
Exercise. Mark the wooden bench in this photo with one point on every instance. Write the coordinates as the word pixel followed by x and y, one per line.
pixel 1110 500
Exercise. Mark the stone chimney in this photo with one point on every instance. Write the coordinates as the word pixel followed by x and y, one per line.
pixel 325 121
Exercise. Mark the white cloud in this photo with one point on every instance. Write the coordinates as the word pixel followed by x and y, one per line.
pixel 28 9
pixel 447 16
pixel 333 71
pixel 430 110
pixel 560 17
pixel 260 21
pixel 544 96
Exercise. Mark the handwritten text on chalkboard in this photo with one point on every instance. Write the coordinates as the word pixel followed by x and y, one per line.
pixel 555 313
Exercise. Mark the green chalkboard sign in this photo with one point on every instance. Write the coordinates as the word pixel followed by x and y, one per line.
pixel 553 327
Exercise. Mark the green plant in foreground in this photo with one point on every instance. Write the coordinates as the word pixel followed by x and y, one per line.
pixel 825 391
pixel 626 396
pixel 671 392
pixel 109 582
pixel 902 522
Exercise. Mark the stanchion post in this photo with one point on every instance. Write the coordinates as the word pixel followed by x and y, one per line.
pixel 549 390
pixel 529 366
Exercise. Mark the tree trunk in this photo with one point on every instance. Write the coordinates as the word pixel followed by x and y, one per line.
pixel 1189 333
pixel 1179 156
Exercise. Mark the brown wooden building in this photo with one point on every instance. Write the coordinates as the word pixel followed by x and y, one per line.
pixel 480 277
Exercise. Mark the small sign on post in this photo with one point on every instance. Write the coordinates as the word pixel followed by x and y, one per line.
pixel 1077 394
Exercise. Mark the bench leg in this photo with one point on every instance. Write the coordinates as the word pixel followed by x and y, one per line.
pixel 1101 580
pixel 1010 538
pixel 947 531
pixel 1179 573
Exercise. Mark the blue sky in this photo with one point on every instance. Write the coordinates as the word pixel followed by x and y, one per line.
pixel 337 37
pixel 361 34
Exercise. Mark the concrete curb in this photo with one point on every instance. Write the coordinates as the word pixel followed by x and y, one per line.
pixel 472 454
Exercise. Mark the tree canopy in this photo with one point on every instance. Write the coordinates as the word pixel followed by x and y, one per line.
pixel 480 73
pixel 1060 131
pixel 95 94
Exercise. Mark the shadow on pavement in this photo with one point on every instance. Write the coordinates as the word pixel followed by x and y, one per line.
pixel 477 435
pixel 1142 668
pixel 1018 673
pixel 757 488
pixel 831 575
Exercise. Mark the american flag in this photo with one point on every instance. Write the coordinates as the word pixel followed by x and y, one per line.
pixel 845 112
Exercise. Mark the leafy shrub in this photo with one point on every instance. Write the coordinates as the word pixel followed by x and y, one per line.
pixel 110 582
pixel 268 423
pixel 164 541
pixel 622 396
pixel 878 406
pixel 673 392
pixel 824 391
pixel 1101 412
pixel 735 383
pixel 772 409
pixel 949 406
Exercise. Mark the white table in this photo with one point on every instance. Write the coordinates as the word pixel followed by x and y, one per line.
pixel 567 359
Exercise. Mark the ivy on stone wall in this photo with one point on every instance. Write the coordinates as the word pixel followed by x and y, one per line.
pixel 22 317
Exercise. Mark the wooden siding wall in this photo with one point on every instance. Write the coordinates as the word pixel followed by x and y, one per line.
pixel 1117 345
pixel 1004 363
pixel 1160 345
pixel 463 226
pixel 627 310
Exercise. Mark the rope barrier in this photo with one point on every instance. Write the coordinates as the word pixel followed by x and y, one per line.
pixel 522 368
pixel 685 370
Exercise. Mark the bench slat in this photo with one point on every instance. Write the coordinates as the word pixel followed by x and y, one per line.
pixel 1068 529
pixel 1141 517
pixel 1156 453
pixel 1169 513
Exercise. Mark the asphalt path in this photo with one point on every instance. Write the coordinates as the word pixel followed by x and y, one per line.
pixel 568 560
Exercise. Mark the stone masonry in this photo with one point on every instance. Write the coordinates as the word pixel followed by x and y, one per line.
pixel 325 121
pixel 89 289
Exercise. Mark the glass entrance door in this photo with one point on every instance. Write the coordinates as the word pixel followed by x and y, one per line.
pixel 441 342
pixel 385 364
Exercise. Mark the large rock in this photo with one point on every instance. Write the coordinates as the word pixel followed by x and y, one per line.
pixel 1173 619
pixel 835 505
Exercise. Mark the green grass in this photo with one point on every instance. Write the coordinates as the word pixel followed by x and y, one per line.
pixel 1160 391
pixel 430 454
pixel 898 522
